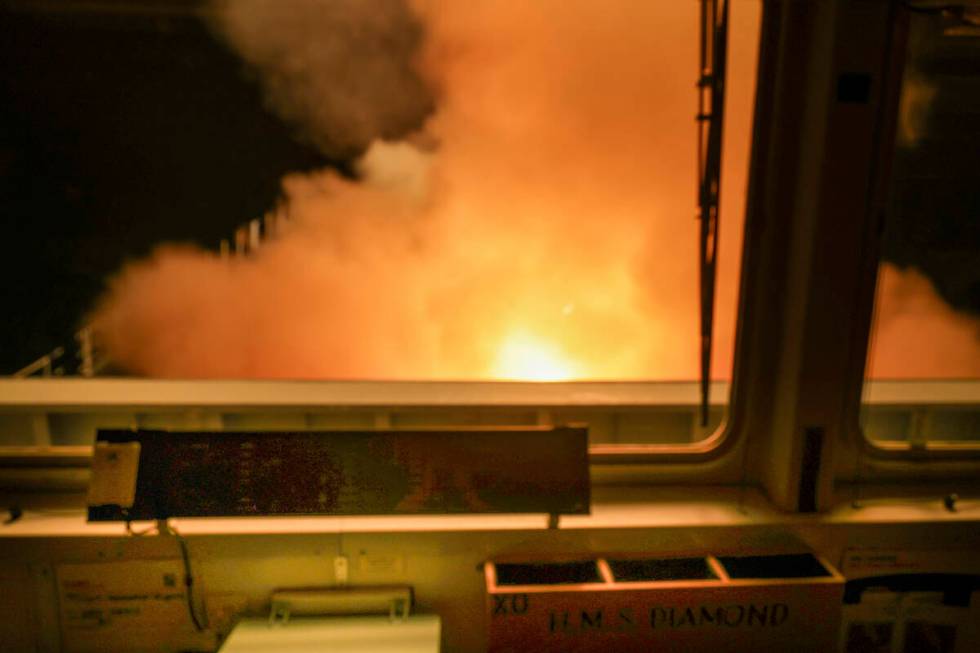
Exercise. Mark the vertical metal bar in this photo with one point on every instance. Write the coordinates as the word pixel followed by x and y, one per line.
pixel 254 235
pixel 84 338
pixel 271 225
pixel 41 428
pixel 711 104
pixel 241 241
pixel 919 428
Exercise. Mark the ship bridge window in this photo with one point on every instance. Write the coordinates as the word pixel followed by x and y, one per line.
pixel 923 388
pixel 478 199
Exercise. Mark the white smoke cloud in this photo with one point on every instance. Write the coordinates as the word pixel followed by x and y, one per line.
pixel 543 216
pixel 340 70
pixel 917 334
pixel 554 219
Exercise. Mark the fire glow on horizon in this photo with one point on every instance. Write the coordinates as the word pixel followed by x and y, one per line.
pixel 539 227
pixel 523 357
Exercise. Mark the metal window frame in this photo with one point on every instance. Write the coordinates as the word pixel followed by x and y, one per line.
pixel 884 458
pixel 716 458
pixel 775 399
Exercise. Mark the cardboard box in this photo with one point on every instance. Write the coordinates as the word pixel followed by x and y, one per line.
pixel 788 602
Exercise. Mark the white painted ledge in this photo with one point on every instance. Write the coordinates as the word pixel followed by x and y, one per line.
pixel 612 508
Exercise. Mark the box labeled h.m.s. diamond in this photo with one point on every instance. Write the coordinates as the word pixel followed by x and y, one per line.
pixel 786 602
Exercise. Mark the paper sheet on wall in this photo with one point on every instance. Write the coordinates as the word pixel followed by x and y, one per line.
pixel 886 621
pixel 130 606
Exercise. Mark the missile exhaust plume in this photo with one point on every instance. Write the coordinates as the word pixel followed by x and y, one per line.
pixel 524 205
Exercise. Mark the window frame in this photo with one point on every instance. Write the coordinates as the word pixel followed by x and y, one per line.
pixel 737 453
pixel 659 463
pixel 886 457
pixel 720 457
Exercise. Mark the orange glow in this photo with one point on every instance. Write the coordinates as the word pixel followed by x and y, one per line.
pixel 540 228
pixel 523 357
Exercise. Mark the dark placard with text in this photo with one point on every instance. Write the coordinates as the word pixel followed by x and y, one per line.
pixel 213 474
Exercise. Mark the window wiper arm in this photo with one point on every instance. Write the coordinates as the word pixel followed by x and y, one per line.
pixel 710 117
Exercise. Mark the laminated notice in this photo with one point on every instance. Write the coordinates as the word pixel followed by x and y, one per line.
pixel 114 469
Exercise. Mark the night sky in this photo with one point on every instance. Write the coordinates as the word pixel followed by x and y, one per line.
pixel 934 222
pixel 119 131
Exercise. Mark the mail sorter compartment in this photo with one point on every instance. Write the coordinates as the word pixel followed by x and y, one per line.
pixel 681 603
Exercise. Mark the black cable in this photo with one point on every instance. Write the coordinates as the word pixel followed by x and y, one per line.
pixel 163 527
pixel 188 579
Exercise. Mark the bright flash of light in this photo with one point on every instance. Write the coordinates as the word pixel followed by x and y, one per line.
pixel 523 357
